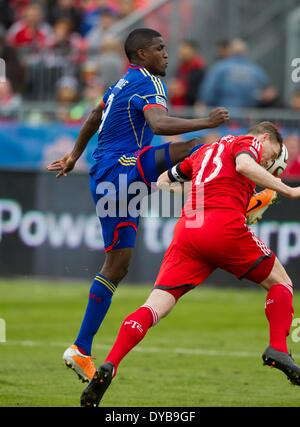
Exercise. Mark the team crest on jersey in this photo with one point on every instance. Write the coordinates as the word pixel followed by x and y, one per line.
pixel 161 101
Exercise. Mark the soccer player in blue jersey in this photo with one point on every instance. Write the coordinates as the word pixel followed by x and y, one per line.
pixel 131 112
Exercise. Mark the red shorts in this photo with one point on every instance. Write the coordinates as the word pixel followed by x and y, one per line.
pixel 223 241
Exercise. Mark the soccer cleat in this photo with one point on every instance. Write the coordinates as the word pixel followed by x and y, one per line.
pixel 259 203
pixel 284 362
pixel 80 363
pixel 94 391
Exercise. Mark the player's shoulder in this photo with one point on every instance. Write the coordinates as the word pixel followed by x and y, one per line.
pixel 239 139
pixel 152 83
pixel 250 140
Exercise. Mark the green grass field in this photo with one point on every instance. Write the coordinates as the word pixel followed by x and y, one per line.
pixel 206 353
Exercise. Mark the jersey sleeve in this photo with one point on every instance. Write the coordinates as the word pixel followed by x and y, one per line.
pixel 153 94
pixel 181 172
pixel 247 145
pixel 105 97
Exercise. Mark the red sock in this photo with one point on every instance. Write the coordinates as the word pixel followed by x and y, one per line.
pixel 279 312
pixel 132 331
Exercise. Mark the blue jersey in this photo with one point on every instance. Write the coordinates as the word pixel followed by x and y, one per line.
pixel 123 128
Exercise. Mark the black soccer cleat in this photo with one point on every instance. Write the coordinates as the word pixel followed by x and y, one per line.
pixel 94 391
pixel 284 362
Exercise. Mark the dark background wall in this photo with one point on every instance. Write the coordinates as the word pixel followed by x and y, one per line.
pixel 48 228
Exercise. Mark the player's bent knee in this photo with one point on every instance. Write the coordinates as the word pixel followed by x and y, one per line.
pixel 278 275
pixel 116 265
pixel 161 302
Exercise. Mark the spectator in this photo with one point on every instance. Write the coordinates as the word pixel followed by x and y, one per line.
pixel 31 36
pixel 30 32
pixel 223 49
pixel 67 94
pixel 67 45
pixel 89 72
pixel 269 97
pixel 9 102
pixel 14 68
pixel 92 95
pixel 57 9
pixel 106 21
pixel 235 81
pixel 295 100
pixel 65 53
pixel 92 12
pixel 292 172
pixel 177 92
pixel 110 63
pixel 18 7
pixel 190 70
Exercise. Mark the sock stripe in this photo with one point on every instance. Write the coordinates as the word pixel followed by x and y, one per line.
pixel 106 281
pixel 154 314
pixel 106 284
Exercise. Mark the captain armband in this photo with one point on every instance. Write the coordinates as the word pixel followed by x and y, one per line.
pixel 176 175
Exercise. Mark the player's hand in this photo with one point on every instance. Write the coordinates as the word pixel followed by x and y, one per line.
pixel 64 165
pixel 217 116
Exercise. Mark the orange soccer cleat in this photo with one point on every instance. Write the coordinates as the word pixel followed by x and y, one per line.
pixel 83 365
pixel 259 203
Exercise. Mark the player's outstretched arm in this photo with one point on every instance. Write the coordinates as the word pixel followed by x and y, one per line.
pixel 173 185
pixel 67 162
pixel 248 167
pixel 162 124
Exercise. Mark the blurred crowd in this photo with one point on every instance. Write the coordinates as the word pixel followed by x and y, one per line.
pixel 61 50
pixel 65 51
pixel 233 80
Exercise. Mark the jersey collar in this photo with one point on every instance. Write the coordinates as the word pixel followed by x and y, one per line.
pixel 134 67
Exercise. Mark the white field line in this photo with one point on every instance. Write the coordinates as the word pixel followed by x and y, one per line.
pixel 187 351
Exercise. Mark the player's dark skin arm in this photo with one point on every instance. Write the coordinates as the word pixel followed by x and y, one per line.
pixel 88 129
pixel 162 124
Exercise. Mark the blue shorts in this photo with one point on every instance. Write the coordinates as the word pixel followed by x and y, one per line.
pixel 109 187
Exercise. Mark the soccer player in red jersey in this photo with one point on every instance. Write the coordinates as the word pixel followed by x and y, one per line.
pixel 212 233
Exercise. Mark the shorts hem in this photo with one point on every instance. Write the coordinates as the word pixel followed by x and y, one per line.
pixel 256 273
pixel 116 235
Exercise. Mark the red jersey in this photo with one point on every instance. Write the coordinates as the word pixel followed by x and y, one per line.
pixel 212 169
pixel 20 35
